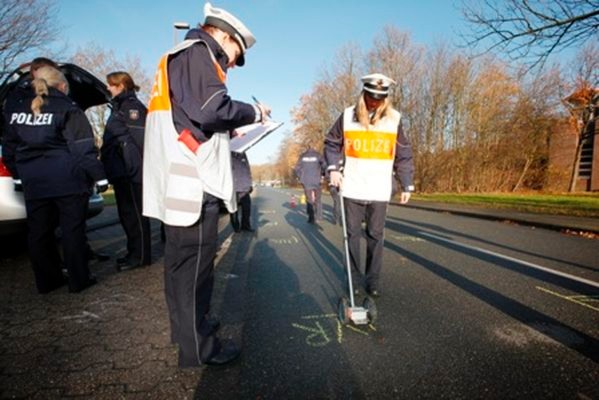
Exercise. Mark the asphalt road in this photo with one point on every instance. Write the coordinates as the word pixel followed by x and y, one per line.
pixel 470 308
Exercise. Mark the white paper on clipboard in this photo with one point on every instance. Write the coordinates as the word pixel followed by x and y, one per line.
pixel 252 134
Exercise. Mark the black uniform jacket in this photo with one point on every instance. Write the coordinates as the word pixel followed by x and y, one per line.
pixel 53 153
pixel 242 173
pixel 123 140
pixel 199 99
pixel 310 168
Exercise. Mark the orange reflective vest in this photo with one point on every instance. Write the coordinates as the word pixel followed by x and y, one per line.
pixel 369 156
pixel 175 177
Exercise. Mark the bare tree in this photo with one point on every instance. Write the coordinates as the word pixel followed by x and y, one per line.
pixel 25 26
pixel 531 29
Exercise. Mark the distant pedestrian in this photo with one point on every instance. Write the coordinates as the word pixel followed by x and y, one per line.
pixel 48 146
pixel 369 141
pixel 242 182
pixel 309 169
pixel 122 150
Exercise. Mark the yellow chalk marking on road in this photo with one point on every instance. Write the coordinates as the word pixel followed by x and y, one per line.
pixel 353 328
pixel 274 223
pixel 267 212
pixel 318 336
pixel 580 300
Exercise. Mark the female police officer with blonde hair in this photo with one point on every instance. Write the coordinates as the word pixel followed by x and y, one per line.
pixel 49 145
pixel 366 150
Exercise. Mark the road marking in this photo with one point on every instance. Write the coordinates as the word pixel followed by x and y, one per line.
pixel 291 240
pixel 407 238
pixel 580 300
pixel 223 249
pixel 516 260
pixel 318 335
pixel 266 225
pixel 267 212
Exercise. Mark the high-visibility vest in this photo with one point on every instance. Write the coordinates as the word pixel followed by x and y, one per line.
pixel 174 177
pixel 369 156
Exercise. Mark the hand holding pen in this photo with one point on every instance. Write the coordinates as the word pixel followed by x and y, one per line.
pixel 264 110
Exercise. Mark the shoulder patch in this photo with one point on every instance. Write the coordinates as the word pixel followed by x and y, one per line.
pixel 133 114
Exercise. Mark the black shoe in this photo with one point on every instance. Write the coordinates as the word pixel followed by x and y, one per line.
pixel 228 353
pixel 247 229
pixel 373 292
pixel 122 260
pixel 128 266
pixel 96 255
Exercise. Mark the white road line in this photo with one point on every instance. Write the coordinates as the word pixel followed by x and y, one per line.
pixel 528 264
pixel 223 250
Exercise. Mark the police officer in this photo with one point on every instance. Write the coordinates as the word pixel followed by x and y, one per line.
pixel 49 148
pixel 242 182
pixel 309 169
pixel 187 169
pixel 122 150
pixel 368 139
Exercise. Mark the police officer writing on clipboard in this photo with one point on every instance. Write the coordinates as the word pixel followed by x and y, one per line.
pixel 369 141
pixel 187 169
pixel 49 146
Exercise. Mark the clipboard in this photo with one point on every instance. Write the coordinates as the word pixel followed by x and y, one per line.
pixel 253 133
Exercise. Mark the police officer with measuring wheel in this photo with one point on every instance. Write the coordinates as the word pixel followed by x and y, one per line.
pixel 369 141
pixel 49 147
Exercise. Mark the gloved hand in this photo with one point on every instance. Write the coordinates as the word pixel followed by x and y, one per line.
pixel 405 197
pixel 102 186
pixel 18 185
pixel 336 178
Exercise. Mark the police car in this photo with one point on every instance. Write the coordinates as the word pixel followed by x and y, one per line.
pixel 85 89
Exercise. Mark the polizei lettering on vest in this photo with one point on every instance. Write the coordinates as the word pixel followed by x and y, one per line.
pixel 377 145
pixel 31 120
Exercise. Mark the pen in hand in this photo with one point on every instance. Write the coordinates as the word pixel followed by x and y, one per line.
pixel 261 105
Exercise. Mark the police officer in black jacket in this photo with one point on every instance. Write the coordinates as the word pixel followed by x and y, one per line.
pixel 48 146
pixel 309 169
pixel 242 182
pixel 122 151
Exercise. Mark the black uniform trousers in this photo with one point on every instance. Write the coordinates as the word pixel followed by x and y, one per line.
pixel 313 203
pixel 334 191
pixel 373 213
pixel 244 202
pixel 188 282
pixel 136 226
pixel 43 217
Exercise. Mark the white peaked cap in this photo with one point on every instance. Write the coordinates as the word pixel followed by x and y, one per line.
pixel 229 23
pixel 377 85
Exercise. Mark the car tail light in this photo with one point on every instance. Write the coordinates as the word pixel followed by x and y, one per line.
pixel 3 170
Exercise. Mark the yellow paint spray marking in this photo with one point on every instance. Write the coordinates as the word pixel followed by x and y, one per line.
pixel 581 300
pixel 319 337
pixel 292 240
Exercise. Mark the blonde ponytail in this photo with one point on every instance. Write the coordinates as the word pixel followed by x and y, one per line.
pixel 41 89
pixel 46 77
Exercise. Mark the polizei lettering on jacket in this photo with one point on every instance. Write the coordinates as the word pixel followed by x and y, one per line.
pixel 30 119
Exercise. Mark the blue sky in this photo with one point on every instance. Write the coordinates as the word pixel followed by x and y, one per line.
pixel 296 39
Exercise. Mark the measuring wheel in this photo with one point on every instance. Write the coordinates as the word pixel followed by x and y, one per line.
pixel 343 310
